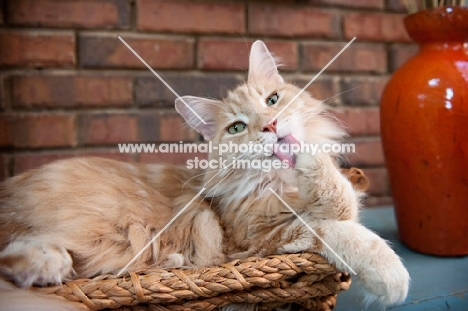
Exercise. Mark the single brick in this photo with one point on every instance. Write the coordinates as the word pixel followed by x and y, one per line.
pixel 400 54
pixel 286 21
pixel 37 48
pixel 38 130
pixel 103 91
pixel 190 17
pixel 149 127
pixel 149 91
pixel 368 4
pixel 107 51
pixel 77 13
pixel 362 90
pixel 6 125
pixel 375 27
pixel 27 161
pixel 64 91
pixel 368 152
pixel 225 54
pixel 107 128
pixel 359 121
pixel 324 88
pixel 357 57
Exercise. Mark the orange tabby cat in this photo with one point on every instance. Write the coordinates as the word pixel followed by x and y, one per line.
pixel 83 217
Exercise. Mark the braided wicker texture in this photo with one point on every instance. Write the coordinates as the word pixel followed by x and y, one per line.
pixel 304 279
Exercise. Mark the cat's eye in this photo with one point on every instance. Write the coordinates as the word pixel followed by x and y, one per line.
pixel 237 127
pixel 273 99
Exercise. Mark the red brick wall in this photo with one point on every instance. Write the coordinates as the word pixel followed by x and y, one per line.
pixel 69 87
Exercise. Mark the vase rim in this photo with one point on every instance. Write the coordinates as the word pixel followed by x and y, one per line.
pixel 441 24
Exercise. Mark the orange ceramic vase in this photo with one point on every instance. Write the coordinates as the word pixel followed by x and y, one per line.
pixel 424 128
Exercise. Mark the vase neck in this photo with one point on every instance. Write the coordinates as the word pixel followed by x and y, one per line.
pixel 443 24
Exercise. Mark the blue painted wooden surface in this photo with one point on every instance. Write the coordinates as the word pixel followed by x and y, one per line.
pixel 437 283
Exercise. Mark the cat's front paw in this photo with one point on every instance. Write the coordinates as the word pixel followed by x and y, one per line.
pixel 29 263
pixel 387 281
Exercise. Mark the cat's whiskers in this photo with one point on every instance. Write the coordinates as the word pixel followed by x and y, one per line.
pixel 204 173
pixel 250 157
pixel 338 94
pixel 307 116
pixel 217 185
pixel 252 177
pixel 221 170
pixel 223 173
pixel 250 173
pixel 259 188
pixel 250 170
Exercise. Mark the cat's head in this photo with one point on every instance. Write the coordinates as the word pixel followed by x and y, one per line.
pixel 265 110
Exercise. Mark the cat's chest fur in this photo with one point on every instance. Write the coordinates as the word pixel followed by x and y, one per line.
pixel 252 223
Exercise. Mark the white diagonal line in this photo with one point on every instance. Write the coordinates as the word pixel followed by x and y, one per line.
pixel 160 232
pixel 162 80
pixel 313 231
pixel 313 79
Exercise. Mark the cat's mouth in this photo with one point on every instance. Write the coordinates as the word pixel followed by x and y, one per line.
pixel 284 151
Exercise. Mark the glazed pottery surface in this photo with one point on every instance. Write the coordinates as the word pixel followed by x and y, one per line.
pixel 424 128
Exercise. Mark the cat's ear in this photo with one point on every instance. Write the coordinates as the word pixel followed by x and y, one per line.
pixel 199 113
pixel 262 65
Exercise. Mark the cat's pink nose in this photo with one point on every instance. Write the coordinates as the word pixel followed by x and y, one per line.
pixel 270 127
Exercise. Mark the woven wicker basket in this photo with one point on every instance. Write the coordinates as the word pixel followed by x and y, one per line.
pixel 306 280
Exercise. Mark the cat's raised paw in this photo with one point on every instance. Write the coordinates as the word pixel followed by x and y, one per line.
pixel 29 263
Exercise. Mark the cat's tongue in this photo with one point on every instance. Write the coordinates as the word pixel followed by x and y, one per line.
pixel 283 149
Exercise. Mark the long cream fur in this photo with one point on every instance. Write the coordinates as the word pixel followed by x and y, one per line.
pixel 83 217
